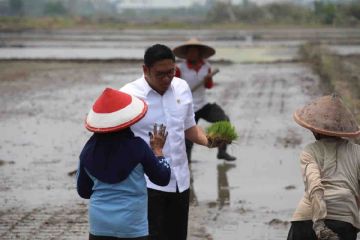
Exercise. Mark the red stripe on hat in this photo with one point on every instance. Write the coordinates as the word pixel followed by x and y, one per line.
pixel 111 101
pixel 121 126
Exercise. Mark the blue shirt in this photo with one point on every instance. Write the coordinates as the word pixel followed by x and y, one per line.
pixel 120 209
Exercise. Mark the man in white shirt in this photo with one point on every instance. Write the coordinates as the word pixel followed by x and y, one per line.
pixel 170 103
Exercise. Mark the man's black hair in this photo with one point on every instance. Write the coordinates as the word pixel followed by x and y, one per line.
pixel 157 53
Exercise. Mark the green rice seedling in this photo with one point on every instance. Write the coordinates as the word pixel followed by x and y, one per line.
pixel 222 131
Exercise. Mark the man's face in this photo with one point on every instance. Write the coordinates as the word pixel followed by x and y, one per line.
pixel 193 54
pixel 160 75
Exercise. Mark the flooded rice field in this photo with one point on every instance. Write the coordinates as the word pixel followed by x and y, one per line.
pixel 241 46
pixel 254 198
pixel 43 105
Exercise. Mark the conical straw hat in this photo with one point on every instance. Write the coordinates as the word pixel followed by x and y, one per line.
pixel 205 50
pixel 113 111
pixel 329 116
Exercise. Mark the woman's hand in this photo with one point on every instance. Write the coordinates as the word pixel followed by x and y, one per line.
pixel 157 139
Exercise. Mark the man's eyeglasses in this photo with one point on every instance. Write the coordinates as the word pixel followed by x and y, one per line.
pixel 161 75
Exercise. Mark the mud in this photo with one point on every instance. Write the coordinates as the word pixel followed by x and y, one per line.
pixel 43 106
pixel 42 112
pixel 251 45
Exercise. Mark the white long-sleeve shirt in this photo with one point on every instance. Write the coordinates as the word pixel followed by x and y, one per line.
pixel 193 78
pixel 174 109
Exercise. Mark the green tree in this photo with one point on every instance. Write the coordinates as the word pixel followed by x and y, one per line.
pixel 287 13
pixel 55 9
pixel 246 3
pixel 218 13
pixel 250 13
pixel 354 10
pixel 326 11
pixel 16 7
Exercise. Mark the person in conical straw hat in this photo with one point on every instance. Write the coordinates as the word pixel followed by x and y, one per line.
pixel 197 72
pixel 330 167
pixel 112 166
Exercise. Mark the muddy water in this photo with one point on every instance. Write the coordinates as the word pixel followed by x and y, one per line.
pixel 254 197
pixel 239 46
pixel 42 112
pixel 41 123
pixel 234 54
pixel 43 106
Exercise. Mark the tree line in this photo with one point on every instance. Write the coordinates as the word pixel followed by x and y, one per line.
pixel 320 12
pixel 326 12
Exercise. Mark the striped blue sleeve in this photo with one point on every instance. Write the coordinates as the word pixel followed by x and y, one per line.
pixel 156 168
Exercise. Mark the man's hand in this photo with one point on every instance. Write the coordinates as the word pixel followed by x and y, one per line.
pixel 207 79
pixel 323 232
pixel 215 142
pixel 157 139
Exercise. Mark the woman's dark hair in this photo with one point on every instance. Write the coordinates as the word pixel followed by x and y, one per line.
pixel 157 53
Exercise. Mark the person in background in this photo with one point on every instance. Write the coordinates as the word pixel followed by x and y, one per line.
pixel 196 71
pixel 170 103
pixel 330 168
pixel 112 166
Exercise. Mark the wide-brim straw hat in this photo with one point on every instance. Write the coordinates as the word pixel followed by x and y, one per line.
pixel 113 111
pixel 205 50
pixel 329 116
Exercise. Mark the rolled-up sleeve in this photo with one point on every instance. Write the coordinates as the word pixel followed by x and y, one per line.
pixel 189 120
pixel 311 173
pixel 190 117
pixel 312 179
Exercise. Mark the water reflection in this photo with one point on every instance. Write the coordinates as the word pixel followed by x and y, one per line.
pixel 223 190
pixel 223 184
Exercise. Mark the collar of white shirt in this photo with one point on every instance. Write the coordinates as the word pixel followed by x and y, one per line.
pixel 146 87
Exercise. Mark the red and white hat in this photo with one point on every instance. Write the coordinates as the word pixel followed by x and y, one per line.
pixel 113 111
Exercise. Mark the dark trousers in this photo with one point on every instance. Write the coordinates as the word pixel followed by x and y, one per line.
pixel 211 112
pixel 302 230
pixel 168 215
pixel 93 237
